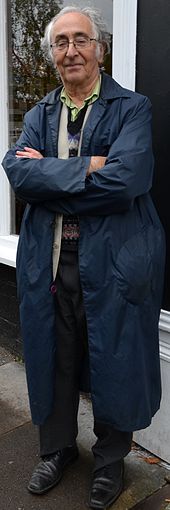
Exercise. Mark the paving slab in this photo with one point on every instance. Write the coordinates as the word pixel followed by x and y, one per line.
pixel 5 356
pixel 160 500
pixel 19 455
pixel 13 397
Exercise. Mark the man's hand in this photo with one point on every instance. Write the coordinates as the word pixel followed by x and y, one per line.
pixel 96 163
pixel 29 153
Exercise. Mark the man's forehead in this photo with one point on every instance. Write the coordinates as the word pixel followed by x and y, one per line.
pixel 72 22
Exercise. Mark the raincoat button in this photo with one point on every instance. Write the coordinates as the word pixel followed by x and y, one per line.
pixel 53 288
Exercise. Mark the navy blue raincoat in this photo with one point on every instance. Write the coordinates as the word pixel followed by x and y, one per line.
pixel 121 253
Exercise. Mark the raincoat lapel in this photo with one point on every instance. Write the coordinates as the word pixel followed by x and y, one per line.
pixel 53 115
pixel 95 115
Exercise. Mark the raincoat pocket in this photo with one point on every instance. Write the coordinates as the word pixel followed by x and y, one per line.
pixel 135 265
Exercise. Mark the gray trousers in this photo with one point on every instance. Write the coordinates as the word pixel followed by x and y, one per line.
pixel 61 429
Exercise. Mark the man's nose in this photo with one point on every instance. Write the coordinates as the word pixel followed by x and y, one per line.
pixel 71 50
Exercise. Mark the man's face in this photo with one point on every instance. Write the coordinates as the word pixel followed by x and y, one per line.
pixel 76 66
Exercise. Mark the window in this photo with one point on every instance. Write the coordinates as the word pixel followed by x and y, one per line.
pixel 30 76
pixel 26 82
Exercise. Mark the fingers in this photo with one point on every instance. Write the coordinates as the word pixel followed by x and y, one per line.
pixel 96 163
pixel 29 153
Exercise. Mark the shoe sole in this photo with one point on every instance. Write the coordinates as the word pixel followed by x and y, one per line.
pixel 43 491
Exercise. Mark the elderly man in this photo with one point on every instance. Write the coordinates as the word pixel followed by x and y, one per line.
pixel 90 258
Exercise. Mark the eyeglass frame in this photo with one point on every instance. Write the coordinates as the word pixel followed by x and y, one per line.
pixel 73 41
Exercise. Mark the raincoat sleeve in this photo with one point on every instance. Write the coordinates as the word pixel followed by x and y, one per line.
pixel 127 173
pixel 62 185
pixel 50 178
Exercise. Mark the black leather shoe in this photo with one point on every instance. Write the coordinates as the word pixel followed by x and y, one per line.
pixel 50 470
pixel 107 485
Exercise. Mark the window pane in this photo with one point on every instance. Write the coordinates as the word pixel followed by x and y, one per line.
pixel 30 76
pixel 106 8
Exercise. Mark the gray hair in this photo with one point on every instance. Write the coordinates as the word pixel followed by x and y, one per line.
pixel 99 27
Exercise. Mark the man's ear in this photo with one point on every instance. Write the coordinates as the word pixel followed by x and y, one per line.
pixel 100 54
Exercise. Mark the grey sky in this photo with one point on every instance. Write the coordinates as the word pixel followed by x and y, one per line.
pixel 106 6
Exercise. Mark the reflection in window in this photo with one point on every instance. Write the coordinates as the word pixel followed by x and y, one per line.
pixel 30 76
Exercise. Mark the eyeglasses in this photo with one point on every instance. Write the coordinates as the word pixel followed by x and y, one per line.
pixel 79 43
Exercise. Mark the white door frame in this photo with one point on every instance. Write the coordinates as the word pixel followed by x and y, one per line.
pixel 124 42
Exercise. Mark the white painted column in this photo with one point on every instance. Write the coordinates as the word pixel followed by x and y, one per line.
pixel 124 42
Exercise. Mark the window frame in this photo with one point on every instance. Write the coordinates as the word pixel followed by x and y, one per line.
pixel 4 185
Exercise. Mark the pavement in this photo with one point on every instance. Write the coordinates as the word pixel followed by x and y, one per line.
pixel 147 478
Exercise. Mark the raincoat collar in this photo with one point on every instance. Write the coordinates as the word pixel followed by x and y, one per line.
pixel 110 90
